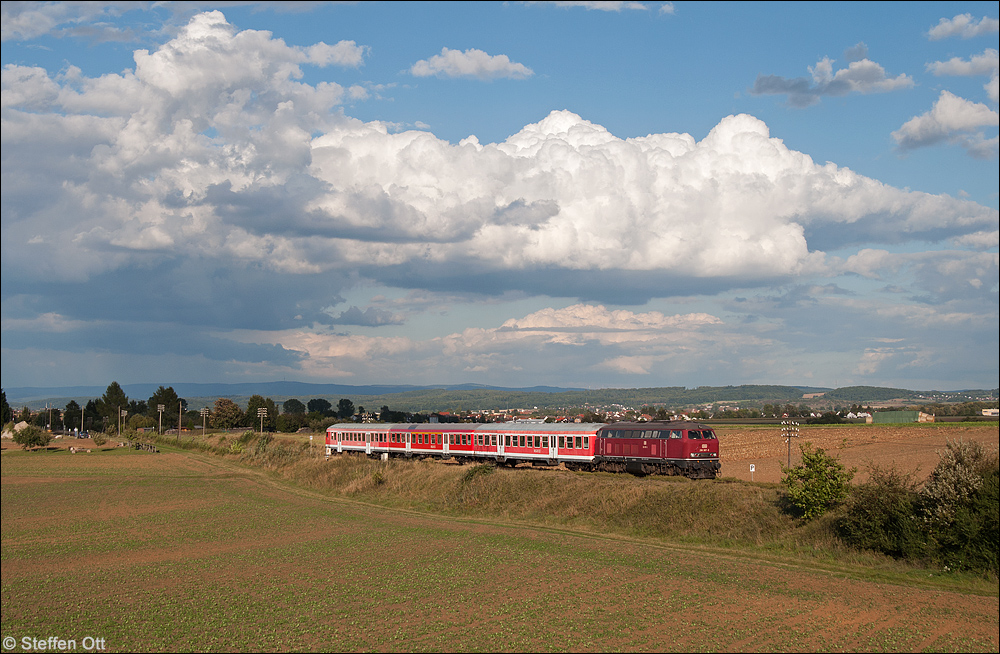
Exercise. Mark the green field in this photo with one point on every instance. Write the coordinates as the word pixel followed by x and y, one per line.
pixel 189 551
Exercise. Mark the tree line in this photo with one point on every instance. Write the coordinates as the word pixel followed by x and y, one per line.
pixel 165 410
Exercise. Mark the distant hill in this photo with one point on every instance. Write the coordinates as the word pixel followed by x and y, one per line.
pixel 458 397
pixel 36 397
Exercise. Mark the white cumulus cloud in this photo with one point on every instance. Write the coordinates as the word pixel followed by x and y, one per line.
pixel 964 26
pixel 470 63
pixel 952 119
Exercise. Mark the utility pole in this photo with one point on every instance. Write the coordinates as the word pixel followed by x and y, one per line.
pixel 789 430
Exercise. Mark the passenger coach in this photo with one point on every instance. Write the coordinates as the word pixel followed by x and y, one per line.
pixel 668 448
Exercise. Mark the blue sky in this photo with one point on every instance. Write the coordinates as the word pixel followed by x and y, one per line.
pixel 574 194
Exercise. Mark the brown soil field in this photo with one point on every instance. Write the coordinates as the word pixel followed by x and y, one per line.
pixel 910 448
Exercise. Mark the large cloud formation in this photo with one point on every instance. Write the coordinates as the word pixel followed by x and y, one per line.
pixel 212 145
pixel 211 172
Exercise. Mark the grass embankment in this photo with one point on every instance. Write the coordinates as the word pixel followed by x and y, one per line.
pixel 721 513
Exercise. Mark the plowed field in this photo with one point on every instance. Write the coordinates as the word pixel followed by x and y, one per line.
pixel 911 448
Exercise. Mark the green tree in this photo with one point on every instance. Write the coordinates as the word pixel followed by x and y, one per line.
pixel 6 413
pixel 319 405
pixel 293 407
pixel 818 483
pixel 72 415
pixel 227 414
pixel 345 409
pixel 167 397
pixel 111 403
pixel 251 419
pixel 32 436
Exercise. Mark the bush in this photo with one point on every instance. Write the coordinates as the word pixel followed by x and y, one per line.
pixel 956 479
pixel 971 542
pixel 32 436
pixel 959 505
pixel 819 483
pixel 881 515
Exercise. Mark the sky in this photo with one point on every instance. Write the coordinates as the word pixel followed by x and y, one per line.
pixel 589 195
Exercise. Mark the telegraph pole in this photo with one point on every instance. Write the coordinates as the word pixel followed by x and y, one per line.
pixel 789 430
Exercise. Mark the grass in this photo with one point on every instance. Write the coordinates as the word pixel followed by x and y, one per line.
pixel 187 550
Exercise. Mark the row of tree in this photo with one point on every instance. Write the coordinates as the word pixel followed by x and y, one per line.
pixel 165 410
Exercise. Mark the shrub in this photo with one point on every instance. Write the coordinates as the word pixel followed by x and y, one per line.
pixel 880 515
pixel 971 542
pixel 959 504
pixel 32 436
pixel 956 479
pixel 818 483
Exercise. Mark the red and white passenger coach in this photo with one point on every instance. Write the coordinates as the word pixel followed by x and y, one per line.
pixel 667 448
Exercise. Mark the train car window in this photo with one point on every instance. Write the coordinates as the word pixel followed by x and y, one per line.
pixel 675 433
pixel 579 442
pixel 521 440
pixel 545 441
pixel 586 442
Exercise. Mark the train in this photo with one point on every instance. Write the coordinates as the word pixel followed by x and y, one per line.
pixel 683 448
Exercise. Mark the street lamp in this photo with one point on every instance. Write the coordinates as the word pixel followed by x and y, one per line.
pixel 160 408
pixel 262 413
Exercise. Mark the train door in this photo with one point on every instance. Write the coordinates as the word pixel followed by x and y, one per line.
pixel 340 444
pixel 675 444
pixel 368 444
pixel 553 447
pixel 406 436
pixel 446 444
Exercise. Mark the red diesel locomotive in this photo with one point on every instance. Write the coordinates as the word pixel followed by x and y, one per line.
pixel 665 448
